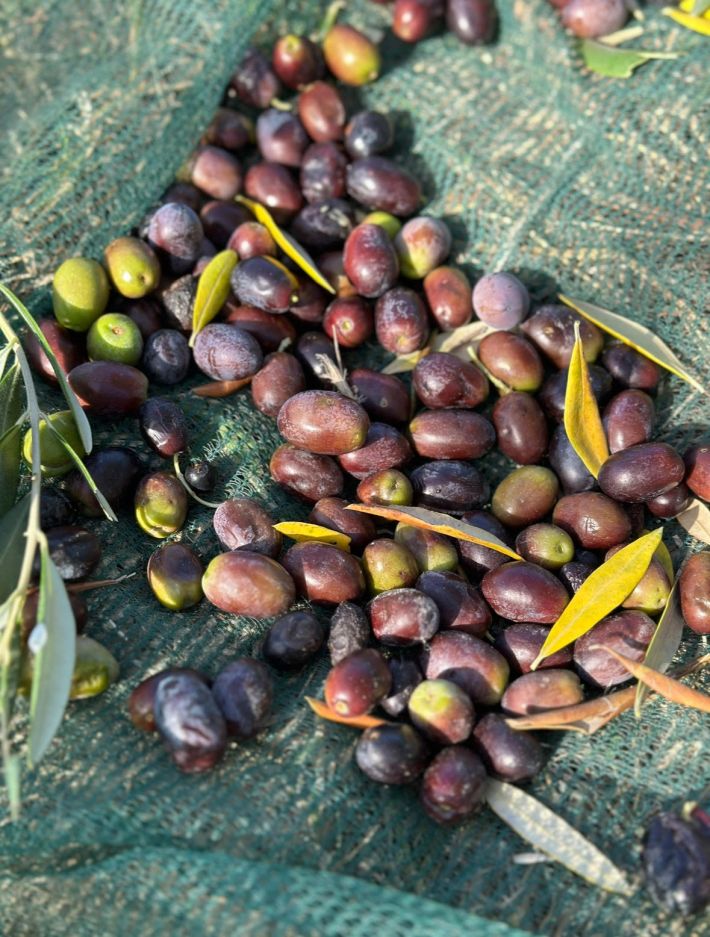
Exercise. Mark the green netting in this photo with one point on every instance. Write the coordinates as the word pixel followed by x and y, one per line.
pixel 598 186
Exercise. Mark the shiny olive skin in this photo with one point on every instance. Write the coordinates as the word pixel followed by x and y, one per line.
pixel 472 664
pixel 451 486
pixel 220 219
pixel 370 260
pixel 697 466
pixel 512 359
pixel 293 641
pixel 243 524
pixel 546 545
pixel 413 20
pixel 309 348
pixel 189 721
pixel 115 470
pixel 694 590
pixel 628 419
pixel 521 427
pixel 573 474
pixel 324 422
pixel 109 389
pixel 229 129
pixel 406 675
pixel 74 551
pixel 322 112
pixel 201 476
pixel 141 702
pixel 243 691
pixel 384 448
pixel 324 225
pixel 350 55
pixel 593 520
pixel 477 559
pixel 217 172
pixel 390 486
pixel 388 565
pixel 525 496
pixel 448 295
pixel 279 378
pixel 521 591
pixel 325 574
pixel 163 425
pixel 79 609
pixel 332 513
pixel 175 576
pixel 401 323
pixel 392 754
pixel 472 21
pixel 357 683
pixel 251 239
pixel 441 711
pixel 432 551
pixel 671 503
pixel 306 475
pixel 508 755
pixel 627 632
pixel 454 785
pixel 281 137
pixel 541 690
pixel 379 184
pixel 630 368
pixel 349 318
pixel 402 617
pixel 323 170
pixel 265 283
pixel 443 380
pixel 383 396
pixel 460 605
pixel 641 472
pixel 590 18
pixel 520 643
pixel 551 328
pixel 451 434
pixel 367 134
pixel 501 300
pixel 274 186
pixel 553 391
pixel 166 357
pixel 422 244
pixel 574 574
pixel 254 80
pixel 349 631
pixel 175 233
pixel 246 583
pixel 270 329
pixel 160 504
pixel 186 192
pixel 297 60
pixel 66 345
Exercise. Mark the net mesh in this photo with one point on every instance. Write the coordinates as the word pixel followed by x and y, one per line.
pixel 596 186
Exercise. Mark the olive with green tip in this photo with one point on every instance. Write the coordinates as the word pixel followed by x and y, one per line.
pixel 175 576
pixel 525 496
pixel 442 711
pixel 160 504
pixel 390 486
pixel 79 293
pixel 391 224
pixel 388 565
pixel 432 551
pixel 114 337
pixel 132 266
pixel 546 545
pixel 55 458
pixel 350 55
pixel 95 669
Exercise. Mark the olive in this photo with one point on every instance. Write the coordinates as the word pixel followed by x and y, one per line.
pixel 244 693
pixel 163 426
pixel 95 669
pixel 74 551
pixel 175 576
pixel 401 323
pixel 115 471
pixel 324 225
pixel 324 422
pixel 66 346
pixel 541 690
pixel 448 295
pixel 293 640
pixel 553 391
pixel 591 18
pixel 386 221
pixel 349 319
pixel 367 134
pixel 55 509
pixel 520 644
pixel 178 300
pixel 521 427
pixel 350 55
pixel 325 574
pixel 246 583
pixel 546 545
pixel 80 292
pixel 310 350
pixel 133 269
pixel 551 328
pixel 79 610
pixel 630 368
pixel 443 380
pixel 147 316
pixel 508 755
pixel 671 503
pixel 271 330
pixel 201 476
pixel 274 186
pixel 523 591
pixel 574 574
pixel 676 860
pixel 401 617
pixel 216 171
pixel 651 593
pixel 422 245
pixel 349 631
pixel 629 633
pixel 451 486
pixel 392 754
pixel 413 20
pixel 323 170
pixel 441 711
pixel 526 495
pixel 220 219
pixel 512 359
pixel 297 60
pixel 322 112
pixel 306 475
pixel 357 683
pixel 697 466
pixel 279 378
pixel 389 486
pixel 406 675
pixel 454 785
pixel 501 300
pixel 332 513
pixel 186 192
pixel 573 474
pixel 251 239
pixel 370 260
pixel 107 388
pixel 641 472
pixel 694 590
pixel 266 283
pixel 628 419
pixel 388 565
pixel 175 233
pixel 384 448
pixel 451 434
pixel 379 184
pixel 477 559
pixel 471 663
pixel 242 523
pixel 331 266
pixel 160 504
pixel 189 721
pixel 55 460
pixel 166 357
pixel 432 551
pixel 383 396
pixel 141 702
pixel 472 21
pixel 460 605
pixel 230 129
pixel 592 519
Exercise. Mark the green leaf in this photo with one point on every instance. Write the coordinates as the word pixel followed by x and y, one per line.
pixel 53 642
pixel 212 290
pixel 13 777
pixel 10 457
pixel 549 833
pixel 664 644
pixel 12 546
pixel 12 398
pixel 614 62
pixel 71 398
pixel 105 506
pixel 11 668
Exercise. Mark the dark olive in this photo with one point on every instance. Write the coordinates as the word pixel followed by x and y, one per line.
pixel 323 170
pixel 401 322
pixel 460 604
pixel 74 551
pixel 378 183
pixel 201 476
pixel 573 474
pixel 67 346
pixel 406 675
pixel 553 391
pixel 226 353
pixel 592 519
pixel 280 377
pixel 512 359
pixel 370 260
pixel 520 644
pixel 629 367
pixel 413 20
pixel 641 472
pixel 694 589
pixel 254 81
pixel 454 785
pixel 451 434
pixel 274 186
pixel 628 632
pixel 697 466
pixel 305 474
pixel 443 380
pixel 383 396
pixel 551 328
pixel 264 282
pixel 469 662
pixel 166 356
pixel 357 683
pixel 324 225
pixel 115 471
pixel 349 631
pixel 541 690
pixel 392 754
pixel 244 693
pixel 368 133
pixel 324 422
pixel 243 524
pixel 472 21
pixel 522 591
pixel 271 330
pixel 109 389
pixel 628 419
pixel 189 721
pixel 451 486
pixel 384 448
pixel 331 512
pixel 141 702
pixel 350 320
pixel 401 617
pixel 521 427
pixel 508 755
pixel 293 640
pixel 448 295
pixel 163 426
pixel 322 111
pixel 477 559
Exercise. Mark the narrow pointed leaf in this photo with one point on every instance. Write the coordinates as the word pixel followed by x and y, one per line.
pixel 601 593
pixel 635 335
pixel 288 245
pixel 13 777
pixel 582 421
pixel 402 364
pixel 663 556
pixel 696 520
pixel 615 62
pixel 501 386
pixel 549 833
pixel 302 532
pixel 105 506
pixel 664 644
pixel 587 717
pixel 11 667
pixel 218 389
pixel 13 525
pixel 10 458
pixel 12 398
pixel 665 686
pixel 355 722
pixel 696 7
pixel 54 661
pixel 698 24
pixel 458 341
pixel 212 290
pixel 440 523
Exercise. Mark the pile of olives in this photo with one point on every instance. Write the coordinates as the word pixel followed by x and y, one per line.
pixel 434 636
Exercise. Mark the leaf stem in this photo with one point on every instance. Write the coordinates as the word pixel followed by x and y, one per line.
pixel 183 481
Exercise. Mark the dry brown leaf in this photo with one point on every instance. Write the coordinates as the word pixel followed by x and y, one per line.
pixel 355 722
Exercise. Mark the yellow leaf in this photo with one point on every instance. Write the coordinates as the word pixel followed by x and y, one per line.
pixel 212 290
pixel 696 520
pixel 303 533
pixel 665 686
pixel 699 24
pixel 220 388
pixel 583 423
pixel 288 245
pixel 356 722
pixel 689 6
pixel 439 523
pixel 664 558
pixel 635 335
pixel 601 593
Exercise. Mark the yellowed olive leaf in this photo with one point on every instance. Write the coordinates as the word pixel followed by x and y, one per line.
pixel 212 290
pixel 356 722
pixel 549 833
pixel 582 421
pixel 665 686
pixel 288 245
pixel 439 523
pixel 663 556
pixel 586 718
pixel 303 533
pixel 663 646
pixel 457 341
pixel 404 363
pixel 699 24
pixel 696 520
pixel 601 593
pixel 635 335
pixel 220 388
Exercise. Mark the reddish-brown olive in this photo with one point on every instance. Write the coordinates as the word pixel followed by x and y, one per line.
pixel 451 434
pixel 325 574
pixel 521 591
pixel 305 474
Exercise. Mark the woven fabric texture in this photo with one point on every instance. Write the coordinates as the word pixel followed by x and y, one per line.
pixel 590 185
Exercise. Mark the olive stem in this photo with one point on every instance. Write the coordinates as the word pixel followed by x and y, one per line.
pixel 280 105
pixel 183 481
pixel 329 20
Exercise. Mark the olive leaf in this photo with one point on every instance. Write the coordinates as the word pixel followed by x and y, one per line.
pixel 439 523
pixel 305 533
pixel 13 779
pixel 698 23
pixel 696 520
pixel 457 341
pixel 663 556
pixel 664 644
pixel 11 414
pixel 74 456
pixel 582 421
pixel 615 62
pixel 12 544
pixel 549 833
pixel 586 718
pixel 53 644
pixel 11 667
pixel 696 7
pixel 665 686
pixel 356 722
pixel 218 389
pixel 635 335
pixel 404 363
pixel 288 245
pixel 212 290
pixel 601 593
